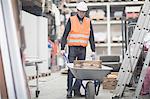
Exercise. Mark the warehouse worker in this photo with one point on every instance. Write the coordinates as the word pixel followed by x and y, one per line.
pixel 78 32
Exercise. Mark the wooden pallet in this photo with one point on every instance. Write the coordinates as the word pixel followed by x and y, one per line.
pixel 40 75
pixel 98 19
pixel 117 41
pixel 100 42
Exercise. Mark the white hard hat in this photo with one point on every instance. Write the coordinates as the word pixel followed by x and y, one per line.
pixel 82 6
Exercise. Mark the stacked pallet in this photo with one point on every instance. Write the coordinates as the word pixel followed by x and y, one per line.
pixel 110 81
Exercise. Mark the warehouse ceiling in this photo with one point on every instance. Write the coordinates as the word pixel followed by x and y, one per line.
pixel 32 6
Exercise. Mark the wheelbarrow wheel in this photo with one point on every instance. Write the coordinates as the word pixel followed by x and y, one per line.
pixel 90 91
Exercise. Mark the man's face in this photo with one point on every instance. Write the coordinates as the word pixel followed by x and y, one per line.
pixel 81 13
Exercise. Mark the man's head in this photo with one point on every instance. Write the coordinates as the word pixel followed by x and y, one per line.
pixel 82 8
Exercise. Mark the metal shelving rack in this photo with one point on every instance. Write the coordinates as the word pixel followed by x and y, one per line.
pixel 108 46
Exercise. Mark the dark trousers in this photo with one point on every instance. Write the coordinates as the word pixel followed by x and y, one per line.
pixel 79 53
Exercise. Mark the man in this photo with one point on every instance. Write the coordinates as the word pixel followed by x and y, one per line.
pixel 77 33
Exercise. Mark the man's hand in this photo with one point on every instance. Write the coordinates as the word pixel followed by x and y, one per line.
pixel 93 55
pixel 62 52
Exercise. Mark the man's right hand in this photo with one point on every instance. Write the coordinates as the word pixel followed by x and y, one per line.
pixel 62 52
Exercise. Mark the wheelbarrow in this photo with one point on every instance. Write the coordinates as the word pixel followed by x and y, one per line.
pixel 92 76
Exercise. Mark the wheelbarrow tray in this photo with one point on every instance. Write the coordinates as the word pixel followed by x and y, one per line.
pixel 89 74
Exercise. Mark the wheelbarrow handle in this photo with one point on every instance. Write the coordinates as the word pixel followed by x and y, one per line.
pixel 65 58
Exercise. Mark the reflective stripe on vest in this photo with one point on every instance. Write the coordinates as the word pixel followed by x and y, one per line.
pixel 77 41
pixel 79 33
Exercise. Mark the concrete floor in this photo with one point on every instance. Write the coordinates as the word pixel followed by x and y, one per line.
pixel 54 87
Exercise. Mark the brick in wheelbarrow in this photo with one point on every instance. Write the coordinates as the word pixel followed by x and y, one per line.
pixel 88 64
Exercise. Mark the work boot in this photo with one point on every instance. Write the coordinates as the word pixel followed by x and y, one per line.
pixel 69 94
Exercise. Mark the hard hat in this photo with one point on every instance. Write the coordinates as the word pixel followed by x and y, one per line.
pixel 82 6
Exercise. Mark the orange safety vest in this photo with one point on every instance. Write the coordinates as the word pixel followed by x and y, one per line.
pixel 79 33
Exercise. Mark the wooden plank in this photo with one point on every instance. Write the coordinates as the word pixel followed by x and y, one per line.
pixel 2 80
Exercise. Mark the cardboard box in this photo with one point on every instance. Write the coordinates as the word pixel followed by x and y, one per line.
pixel 109 87
pixel 114 73
pixel 109 83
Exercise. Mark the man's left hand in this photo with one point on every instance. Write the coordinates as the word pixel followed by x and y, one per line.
pixel 93 55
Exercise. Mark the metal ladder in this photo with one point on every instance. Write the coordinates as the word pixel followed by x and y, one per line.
pixel 133 51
